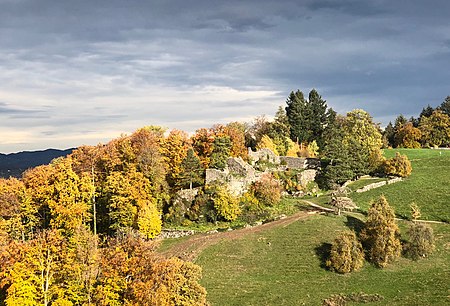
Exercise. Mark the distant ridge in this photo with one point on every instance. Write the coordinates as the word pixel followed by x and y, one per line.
pixel 15 164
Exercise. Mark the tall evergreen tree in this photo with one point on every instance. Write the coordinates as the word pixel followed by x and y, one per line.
pixel 308 119
pixel 399 122
pixel 191 171
pixel 426 111
pixel 298 114
pixel 445 106
pixel 221 151
pixel 389 134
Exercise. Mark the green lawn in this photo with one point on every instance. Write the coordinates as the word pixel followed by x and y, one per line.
pixel 428 186
pixel 283 266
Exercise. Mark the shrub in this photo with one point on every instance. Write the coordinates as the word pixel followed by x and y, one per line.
pixel 380 234
pixel 398 166
pixel 421 241
pixel 252 208
pixel 226 205
pixel 346 253
pixel 267 190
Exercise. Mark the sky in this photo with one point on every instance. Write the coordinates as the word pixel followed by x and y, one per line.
pixel 84 72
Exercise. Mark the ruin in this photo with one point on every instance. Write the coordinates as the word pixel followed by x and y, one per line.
pixel 238 175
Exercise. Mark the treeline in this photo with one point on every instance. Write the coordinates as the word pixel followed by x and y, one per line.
pixel 430 129
pixel 79 231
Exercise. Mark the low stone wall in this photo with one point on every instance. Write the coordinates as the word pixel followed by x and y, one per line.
pixel 379 184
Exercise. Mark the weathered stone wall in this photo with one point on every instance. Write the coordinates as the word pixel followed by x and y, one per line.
pixel 263 155
pixel 238 166
pixel 306 177
pixel 312 163
pixel 188 194
pixel 213 175
pixel 293 162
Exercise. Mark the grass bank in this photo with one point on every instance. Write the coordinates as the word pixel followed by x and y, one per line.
pixel 284 266
pixel 428 186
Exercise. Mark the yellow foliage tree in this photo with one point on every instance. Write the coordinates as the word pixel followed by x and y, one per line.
pixel 293 148
pixel 174 149
pixel 267 143
pixel 131 201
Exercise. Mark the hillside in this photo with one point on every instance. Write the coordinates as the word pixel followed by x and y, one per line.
pixel 15 163
pixel 428 186
pixel 284 264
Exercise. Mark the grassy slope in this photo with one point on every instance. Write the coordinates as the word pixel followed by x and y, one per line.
pixel 428 186
pixel 283 267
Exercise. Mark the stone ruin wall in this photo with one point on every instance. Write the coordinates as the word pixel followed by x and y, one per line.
pixel 238 175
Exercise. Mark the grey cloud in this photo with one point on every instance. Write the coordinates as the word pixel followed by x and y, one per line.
pixel 114 63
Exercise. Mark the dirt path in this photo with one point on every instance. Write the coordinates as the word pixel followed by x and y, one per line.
pixel 193 246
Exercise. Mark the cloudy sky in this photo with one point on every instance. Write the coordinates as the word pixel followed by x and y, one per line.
pixel 83 72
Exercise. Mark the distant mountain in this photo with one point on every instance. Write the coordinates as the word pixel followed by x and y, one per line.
pixel 15 164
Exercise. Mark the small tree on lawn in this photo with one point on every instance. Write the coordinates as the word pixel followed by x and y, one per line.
pixel 380 234
pixel 421 241
pixel 346 253
pixel 421 237
pixel 398 166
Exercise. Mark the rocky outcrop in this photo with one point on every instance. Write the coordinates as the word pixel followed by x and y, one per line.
pixel 265 155
pixel 306 176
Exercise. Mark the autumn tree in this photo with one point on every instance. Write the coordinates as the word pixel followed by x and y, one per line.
pixel 360 128
pixel 255 130
pixel 267 190
pixel 226 205
pixel 132 274
pixel 421 241
pixel 203 145
pixel 346 253
pixel 36 279
pixel 380 234
pixel 279 132
pixel 236 132
pixel 174 149
pixel 408 136
pixel 18 216
pixel 435 129
pixel 131 204
pixel 398 166
pixel 267 143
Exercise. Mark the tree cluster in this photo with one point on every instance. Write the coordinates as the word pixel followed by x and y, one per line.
pixel 379 241
pixel 430 129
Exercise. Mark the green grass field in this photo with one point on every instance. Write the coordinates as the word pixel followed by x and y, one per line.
pixel 284 266
pixel 428 186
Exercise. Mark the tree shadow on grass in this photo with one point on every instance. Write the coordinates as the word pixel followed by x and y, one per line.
pixel 323 252
pixel 354 224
